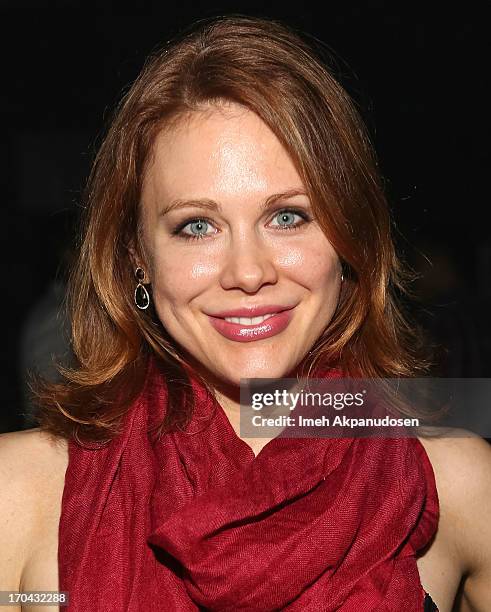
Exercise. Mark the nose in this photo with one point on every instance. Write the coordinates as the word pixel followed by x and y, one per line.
pixel 248 264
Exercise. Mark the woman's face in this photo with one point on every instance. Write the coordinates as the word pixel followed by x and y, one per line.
pixel 218 248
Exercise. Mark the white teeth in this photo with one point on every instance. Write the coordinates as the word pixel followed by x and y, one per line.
pixel 247 321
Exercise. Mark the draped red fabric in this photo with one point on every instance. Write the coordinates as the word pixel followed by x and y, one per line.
pixel 194 521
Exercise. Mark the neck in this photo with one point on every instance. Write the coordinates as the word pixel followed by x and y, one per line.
pixel 228 394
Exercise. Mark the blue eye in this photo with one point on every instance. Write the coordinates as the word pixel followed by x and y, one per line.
pixel 198 228
pixel 285 215
pixel 199 225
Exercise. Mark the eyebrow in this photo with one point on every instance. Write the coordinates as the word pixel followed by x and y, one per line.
pixel 208 204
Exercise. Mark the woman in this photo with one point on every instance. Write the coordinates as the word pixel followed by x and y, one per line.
pixel 236 180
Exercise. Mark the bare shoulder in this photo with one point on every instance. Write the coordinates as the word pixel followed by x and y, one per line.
pixel 33 440
pixel 32 474
pixel 462 468
pixel 30 460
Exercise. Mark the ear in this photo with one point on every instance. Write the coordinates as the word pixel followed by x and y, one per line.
pixel 137 261
pixel 134 259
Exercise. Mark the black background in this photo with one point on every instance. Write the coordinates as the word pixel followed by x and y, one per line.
pixel 421 83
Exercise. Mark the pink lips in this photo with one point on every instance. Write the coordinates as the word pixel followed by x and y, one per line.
pixel 248 333
pixel 251 311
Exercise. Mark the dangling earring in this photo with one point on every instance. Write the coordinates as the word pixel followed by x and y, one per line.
pixel 142 299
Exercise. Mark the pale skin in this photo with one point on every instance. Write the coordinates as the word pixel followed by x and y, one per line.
pixel 229 156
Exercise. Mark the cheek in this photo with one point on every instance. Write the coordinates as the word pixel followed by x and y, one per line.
pixel 324 273
pixel 314 265
pixel 178 278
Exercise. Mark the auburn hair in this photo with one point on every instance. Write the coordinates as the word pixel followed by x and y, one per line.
pixel 278 74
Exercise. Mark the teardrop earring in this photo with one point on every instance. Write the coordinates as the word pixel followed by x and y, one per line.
pixel 142 298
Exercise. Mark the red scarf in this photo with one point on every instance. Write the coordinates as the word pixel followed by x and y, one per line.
pixel 194 522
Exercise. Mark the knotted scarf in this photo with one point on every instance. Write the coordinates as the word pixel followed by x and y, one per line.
pixel 193 520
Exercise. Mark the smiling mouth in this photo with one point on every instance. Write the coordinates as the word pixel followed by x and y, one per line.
pixel 249 320
pixel 245 329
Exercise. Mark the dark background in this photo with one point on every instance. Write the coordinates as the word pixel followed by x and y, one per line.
pixel 421 83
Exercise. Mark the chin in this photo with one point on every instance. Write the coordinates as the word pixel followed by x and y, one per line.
pixel 265 371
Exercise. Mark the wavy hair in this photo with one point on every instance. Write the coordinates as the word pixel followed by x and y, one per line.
pixel 277 73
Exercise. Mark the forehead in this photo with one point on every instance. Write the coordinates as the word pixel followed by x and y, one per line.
pixel 225 151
